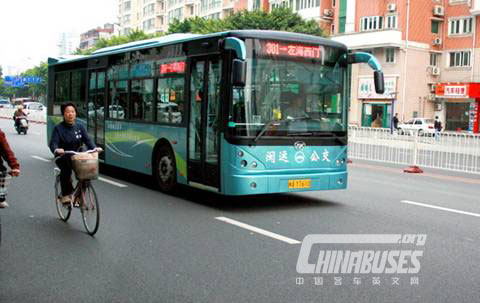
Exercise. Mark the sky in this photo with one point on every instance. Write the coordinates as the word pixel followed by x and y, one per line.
pixel 30 29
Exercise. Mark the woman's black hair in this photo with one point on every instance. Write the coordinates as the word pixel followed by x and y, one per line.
pixel 64 106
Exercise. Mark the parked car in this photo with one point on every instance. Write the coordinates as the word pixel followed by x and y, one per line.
pixel 423 126
pixel 33 106
pixel 5 104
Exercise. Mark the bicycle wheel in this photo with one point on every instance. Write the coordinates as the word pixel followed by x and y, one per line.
pixel 63 211
pixel 90 209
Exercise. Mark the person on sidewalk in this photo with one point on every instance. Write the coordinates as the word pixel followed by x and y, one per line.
pixel 437 125
pixel 7 155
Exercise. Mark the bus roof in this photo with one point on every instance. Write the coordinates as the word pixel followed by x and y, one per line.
pixel 185 37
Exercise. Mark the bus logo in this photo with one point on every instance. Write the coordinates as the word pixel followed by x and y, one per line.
pixel 299 145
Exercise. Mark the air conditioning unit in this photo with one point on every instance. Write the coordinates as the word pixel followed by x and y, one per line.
pixel 328 12
pixel 437 41
pixel 433 88
pixel 438 10
pixel 391 7
pixel 435 71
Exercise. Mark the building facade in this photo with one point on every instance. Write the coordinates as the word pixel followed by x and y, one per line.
pixel 89 38
pixel 424 47
pixel 153 16
pixel 68 43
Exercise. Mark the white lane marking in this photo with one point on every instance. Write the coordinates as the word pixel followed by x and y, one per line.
pixel 258 230
pixel 112 182
pixel 41 159
pixel 100 178
pixel 442 208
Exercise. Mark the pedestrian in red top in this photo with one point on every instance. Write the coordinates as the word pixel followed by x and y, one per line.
pixel 7 154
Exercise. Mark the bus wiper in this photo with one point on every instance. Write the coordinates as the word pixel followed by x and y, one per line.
pixel 331 134
pixel 267 125
pixel 304 134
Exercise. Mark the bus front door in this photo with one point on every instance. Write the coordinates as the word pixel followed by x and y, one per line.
pixel 95 108
pixel 203 131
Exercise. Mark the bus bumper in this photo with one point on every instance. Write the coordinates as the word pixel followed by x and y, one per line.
pixel 267 184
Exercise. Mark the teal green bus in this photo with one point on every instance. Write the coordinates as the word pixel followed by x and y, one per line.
pixel 238 112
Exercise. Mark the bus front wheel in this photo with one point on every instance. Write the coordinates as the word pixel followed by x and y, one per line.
pixel 165 169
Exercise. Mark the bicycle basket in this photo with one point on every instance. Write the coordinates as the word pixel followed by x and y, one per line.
pixel 85 166
pixel 4 181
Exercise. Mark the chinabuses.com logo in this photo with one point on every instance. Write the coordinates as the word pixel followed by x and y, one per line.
pixel 378 254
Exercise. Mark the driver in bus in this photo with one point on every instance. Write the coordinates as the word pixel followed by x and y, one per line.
pixel 295 110
pixel 296 107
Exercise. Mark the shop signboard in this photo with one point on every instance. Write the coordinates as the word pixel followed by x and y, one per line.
pixel 366 88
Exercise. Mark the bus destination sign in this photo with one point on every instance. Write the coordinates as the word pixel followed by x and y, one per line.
pixel 172 68
pixel 292 50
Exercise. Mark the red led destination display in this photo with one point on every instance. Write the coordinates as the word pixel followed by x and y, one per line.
pixel 172 68
pixel 292 50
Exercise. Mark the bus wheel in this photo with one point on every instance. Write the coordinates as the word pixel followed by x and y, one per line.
pixel 165 170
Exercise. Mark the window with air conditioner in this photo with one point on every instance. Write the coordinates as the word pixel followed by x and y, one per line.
pixel 435 26
pixel 459 59
pixel 434 59
pixel 391 7
pixel 391 22
pixel 460 26
pixel 438 10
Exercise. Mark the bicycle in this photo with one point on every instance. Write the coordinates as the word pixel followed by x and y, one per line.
pixel 84 195
pixel 4 182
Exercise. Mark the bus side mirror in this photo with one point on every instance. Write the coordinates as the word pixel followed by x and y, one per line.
pixel 379 83
pixel 239 72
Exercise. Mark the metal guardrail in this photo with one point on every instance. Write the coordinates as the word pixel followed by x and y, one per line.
pixel 451 151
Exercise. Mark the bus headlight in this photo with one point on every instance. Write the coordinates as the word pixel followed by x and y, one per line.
pixel 240 153
pixel 254 164
pixel 243 163
pixel 253 185
pixel 340 181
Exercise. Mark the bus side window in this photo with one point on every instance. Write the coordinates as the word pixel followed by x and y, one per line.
pixel 238 108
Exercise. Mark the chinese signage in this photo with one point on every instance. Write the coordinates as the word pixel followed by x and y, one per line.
pixel 473 117
pixel 297 157
pixel 17 81
pixel 366 88
pixel 172 68
pixel 456 91
pixel 292 50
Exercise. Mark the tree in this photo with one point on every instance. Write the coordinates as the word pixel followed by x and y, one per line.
pixel 281 19
pixel 39 90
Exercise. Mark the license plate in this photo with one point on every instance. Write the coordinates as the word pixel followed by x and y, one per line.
pixel 299 183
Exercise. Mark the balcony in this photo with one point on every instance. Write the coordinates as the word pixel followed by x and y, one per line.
pixel 362 40
pixel 159 11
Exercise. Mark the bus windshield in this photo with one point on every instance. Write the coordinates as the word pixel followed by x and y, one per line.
pixel 291 90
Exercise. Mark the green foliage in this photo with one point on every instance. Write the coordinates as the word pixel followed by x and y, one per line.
pixel 38 91
pixel 281 19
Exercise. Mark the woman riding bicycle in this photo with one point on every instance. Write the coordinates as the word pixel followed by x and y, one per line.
pixel 68 136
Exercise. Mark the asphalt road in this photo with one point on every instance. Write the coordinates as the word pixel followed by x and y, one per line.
pixel 153 247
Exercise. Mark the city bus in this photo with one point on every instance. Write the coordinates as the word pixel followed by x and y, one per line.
pixel 240 112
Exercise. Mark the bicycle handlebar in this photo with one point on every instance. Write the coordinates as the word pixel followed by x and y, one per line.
pixel 71 152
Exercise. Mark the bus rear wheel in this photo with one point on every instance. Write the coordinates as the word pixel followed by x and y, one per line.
pixel 165 169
